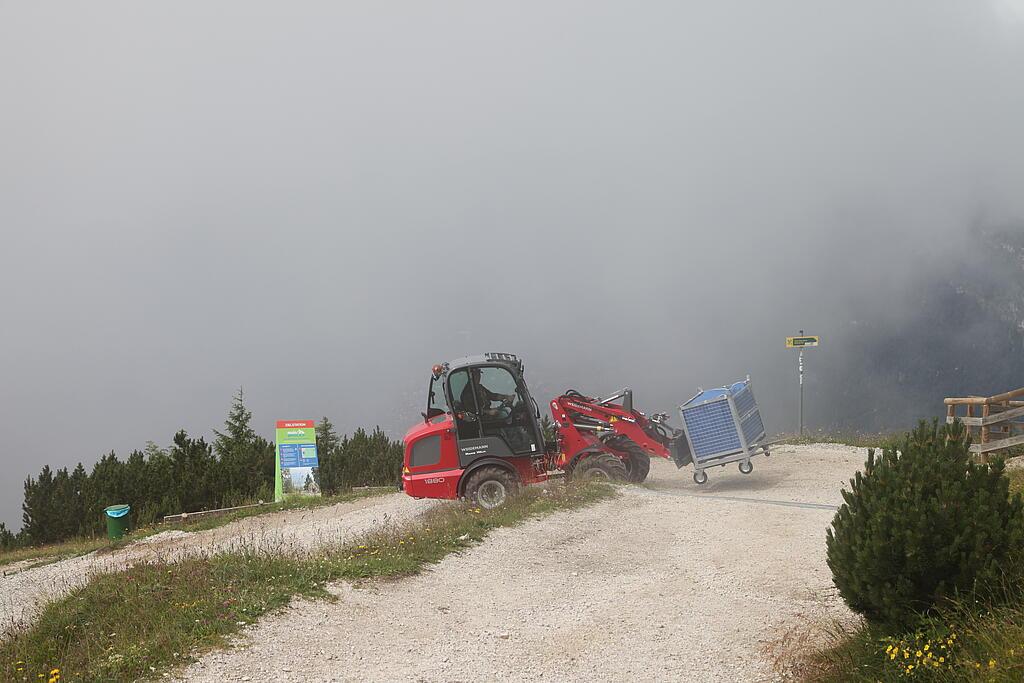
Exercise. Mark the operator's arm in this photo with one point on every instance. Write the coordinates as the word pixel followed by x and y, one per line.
pixel 494 396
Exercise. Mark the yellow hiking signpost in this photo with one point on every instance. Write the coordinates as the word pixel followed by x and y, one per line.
pixel 802 342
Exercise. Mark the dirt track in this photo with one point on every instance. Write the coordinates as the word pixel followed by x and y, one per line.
pixel 659 584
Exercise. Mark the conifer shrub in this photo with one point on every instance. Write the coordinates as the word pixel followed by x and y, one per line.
pixel 921 524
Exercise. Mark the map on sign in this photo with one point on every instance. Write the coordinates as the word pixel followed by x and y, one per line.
pixel 802 342
pixel 296 458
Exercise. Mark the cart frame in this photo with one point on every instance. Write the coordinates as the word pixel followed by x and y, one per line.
pixel 748 448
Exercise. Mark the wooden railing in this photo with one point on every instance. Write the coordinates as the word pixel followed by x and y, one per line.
pixel 995 422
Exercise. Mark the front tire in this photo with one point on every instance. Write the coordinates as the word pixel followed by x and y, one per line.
pixel 601 467
pixel 638 466
pixel 637 461
pixel 491 487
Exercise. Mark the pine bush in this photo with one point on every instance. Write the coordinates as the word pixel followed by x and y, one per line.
pixel 921 524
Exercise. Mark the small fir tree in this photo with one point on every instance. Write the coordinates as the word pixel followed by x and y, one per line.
pixel 921 524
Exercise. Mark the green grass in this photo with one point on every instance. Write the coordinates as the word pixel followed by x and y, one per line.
pixel 1016 478
pixel 292 502
pixel 74 547
pixel 71 548
pixel 975 644
pixel 141 621
pixel 965 645
pixel 858 439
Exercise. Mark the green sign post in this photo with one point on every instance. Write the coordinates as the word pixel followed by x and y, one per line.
pixel 296 457
pixel 802 342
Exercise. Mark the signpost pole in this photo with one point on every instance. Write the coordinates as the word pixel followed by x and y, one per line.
pixel 801 365
pixel 800 343
pixel 278 482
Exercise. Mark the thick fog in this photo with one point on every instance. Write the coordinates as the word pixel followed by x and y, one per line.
pixel 319 200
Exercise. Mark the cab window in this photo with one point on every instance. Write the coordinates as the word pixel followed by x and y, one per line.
pixel 437 404
pixel 464 405
pixel 499 408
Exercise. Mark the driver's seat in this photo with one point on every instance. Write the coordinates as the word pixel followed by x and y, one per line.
pixel 466 429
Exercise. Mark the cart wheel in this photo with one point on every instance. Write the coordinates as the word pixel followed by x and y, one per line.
pixel 746 467
pixel 767 454
pixel 700 478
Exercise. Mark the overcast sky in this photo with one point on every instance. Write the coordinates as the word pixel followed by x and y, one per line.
pixel 319 200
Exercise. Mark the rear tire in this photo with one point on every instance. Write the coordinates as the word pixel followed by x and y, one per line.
pixel 491 487
pixel 600 467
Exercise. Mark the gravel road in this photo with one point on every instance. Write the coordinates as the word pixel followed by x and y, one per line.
pixel 23 593
pixel 667 582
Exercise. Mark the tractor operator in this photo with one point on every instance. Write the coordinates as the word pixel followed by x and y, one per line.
pixel 484 396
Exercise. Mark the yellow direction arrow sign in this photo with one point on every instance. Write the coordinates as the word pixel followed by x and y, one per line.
pixel 801 342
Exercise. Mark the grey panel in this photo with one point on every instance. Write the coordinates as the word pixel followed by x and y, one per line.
pixel 487 447
pixel 426 451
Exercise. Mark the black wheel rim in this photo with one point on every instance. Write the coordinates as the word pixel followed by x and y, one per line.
pixel 491 494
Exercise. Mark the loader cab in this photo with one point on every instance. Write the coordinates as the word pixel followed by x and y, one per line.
pixel 480 437
pixel 490 405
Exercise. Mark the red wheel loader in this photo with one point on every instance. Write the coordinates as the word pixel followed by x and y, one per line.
pixel 481 437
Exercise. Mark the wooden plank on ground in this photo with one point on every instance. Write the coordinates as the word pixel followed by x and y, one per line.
pixel 205 513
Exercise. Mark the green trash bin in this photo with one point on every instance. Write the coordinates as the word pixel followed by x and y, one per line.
pixel 117 521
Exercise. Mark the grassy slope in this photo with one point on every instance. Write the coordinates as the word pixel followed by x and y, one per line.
pixel 960 646
pixel 140 621
pixel 81 546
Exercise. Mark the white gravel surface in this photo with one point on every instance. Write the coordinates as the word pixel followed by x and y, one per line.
pixel 667 582
pixel 24 592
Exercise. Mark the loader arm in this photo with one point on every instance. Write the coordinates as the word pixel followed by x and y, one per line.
pixel 586 425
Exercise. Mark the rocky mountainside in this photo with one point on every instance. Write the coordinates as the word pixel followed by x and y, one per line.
pixel 960 331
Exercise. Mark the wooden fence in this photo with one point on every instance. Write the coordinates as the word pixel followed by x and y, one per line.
pixel 995 422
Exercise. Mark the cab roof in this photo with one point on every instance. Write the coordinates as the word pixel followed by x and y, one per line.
pixel 507 359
